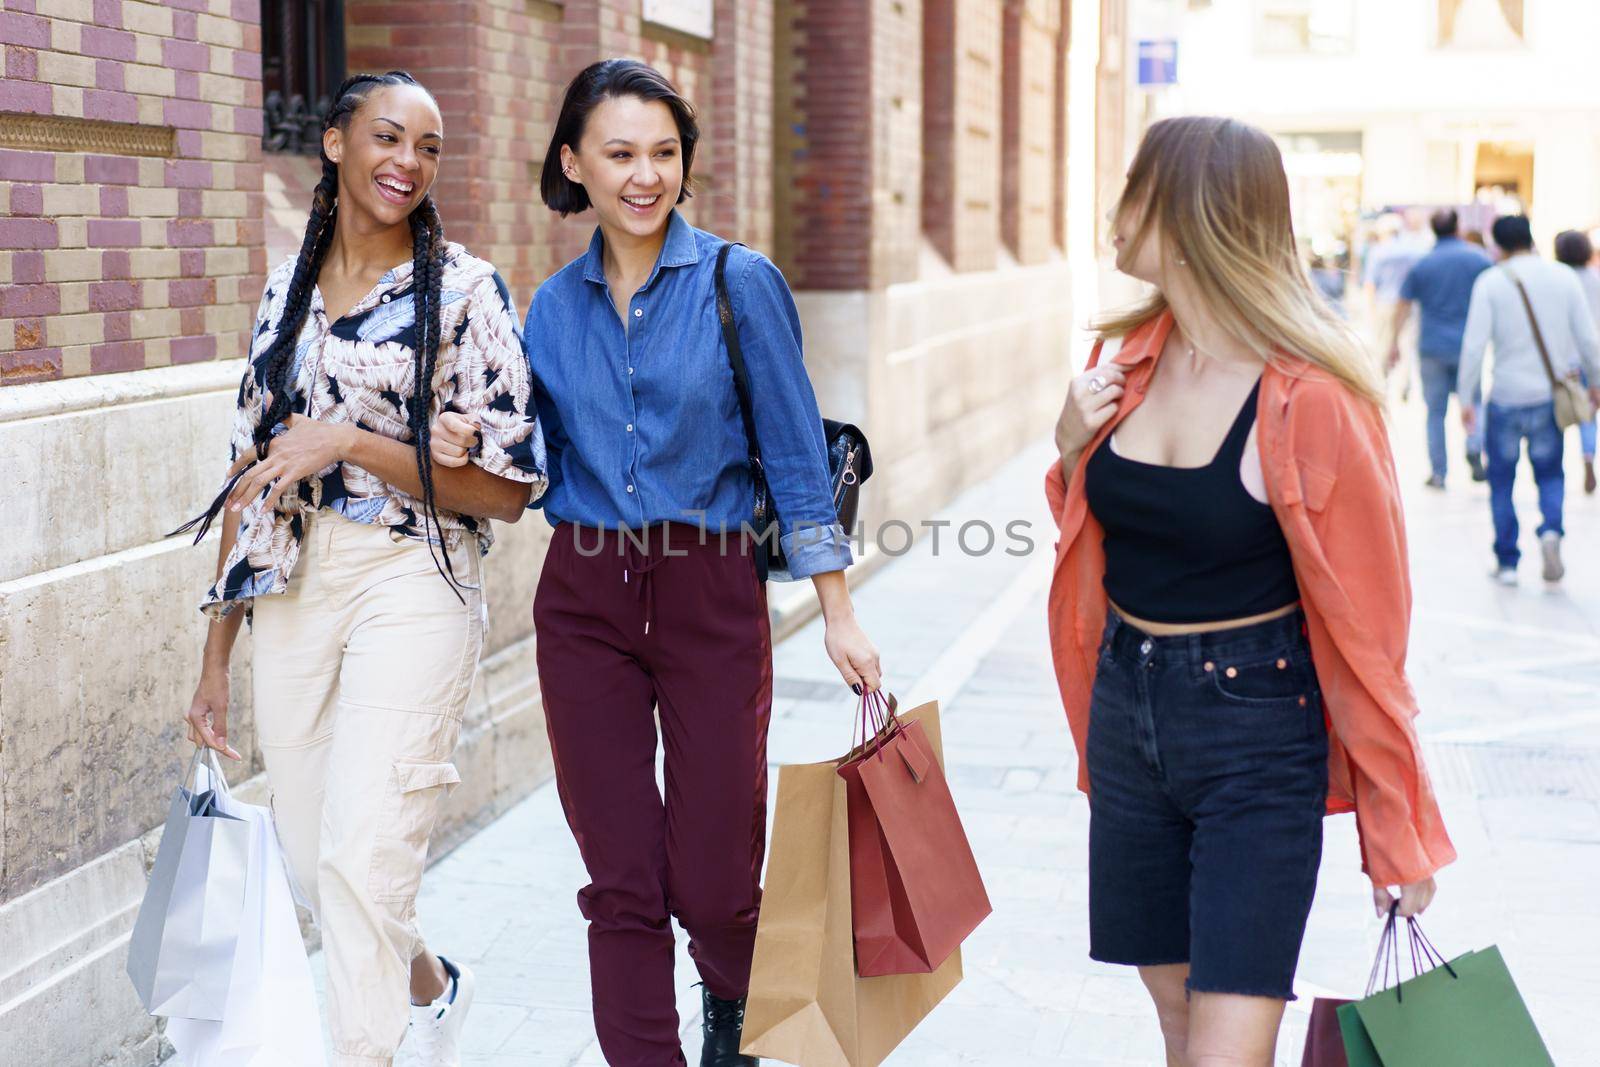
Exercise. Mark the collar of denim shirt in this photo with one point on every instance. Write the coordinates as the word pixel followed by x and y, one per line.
pixel 678 250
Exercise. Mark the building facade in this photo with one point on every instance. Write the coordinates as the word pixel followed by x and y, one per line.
pixel 905 162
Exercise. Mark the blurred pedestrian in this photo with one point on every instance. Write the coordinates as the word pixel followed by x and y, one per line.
pixel 1440 285
pixel 1231 550
pixel 1532 310
pixel 1387 268
pixel 1575 250
pixel 1330 282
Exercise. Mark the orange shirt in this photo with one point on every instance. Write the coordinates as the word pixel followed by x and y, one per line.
pixel 1331 482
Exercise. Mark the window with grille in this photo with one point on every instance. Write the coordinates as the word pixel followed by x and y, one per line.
pixel 302 63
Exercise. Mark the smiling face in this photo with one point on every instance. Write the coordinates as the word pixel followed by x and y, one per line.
pixel 388 154
pixel 630 163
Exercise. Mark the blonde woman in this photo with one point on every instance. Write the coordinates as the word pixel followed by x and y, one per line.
pixel 1230 603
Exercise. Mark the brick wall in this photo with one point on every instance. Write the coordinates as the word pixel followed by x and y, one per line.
pixel 499 82
pixel 961 72
pixel 1030 105
pixel 113 261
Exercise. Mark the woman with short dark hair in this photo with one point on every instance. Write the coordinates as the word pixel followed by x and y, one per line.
pixel 650 599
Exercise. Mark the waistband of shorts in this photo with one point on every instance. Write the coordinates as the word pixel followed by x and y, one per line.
pixel 1126 640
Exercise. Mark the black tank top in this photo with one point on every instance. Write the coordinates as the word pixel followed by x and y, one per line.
pixel 1189 544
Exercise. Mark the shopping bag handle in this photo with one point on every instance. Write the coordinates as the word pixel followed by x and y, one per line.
pixel 875 724
pixel 213 766
pixel 1424 957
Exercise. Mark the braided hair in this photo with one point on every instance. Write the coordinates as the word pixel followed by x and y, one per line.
pixel 427 256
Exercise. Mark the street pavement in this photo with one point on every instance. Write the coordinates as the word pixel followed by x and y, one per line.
pixel 1509 683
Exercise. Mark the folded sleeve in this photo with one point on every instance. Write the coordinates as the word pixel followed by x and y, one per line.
pixel 788 425
pixel 498 391
pixel 1358 580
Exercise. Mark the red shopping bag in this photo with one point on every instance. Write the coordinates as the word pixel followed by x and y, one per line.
pixel 915 890
pixel 1324 1042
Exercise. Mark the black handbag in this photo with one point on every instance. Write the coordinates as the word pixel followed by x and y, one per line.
pixel 849 458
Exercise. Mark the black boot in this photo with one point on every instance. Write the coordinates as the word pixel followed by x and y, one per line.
pixel 1475 463
pixel 722 1024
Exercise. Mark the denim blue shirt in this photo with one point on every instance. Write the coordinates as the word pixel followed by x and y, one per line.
pixel 642 425
pixel 1441 284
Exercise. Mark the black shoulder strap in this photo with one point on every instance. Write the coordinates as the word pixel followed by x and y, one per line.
pixel 730 336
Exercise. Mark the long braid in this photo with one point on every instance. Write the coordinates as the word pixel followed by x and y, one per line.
pixel 279 355
pixel 427 276
pixel 276 361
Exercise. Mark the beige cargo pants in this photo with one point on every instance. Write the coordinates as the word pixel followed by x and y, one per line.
pixel 362 670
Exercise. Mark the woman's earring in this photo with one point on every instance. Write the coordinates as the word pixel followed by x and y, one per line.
pixel 1182 262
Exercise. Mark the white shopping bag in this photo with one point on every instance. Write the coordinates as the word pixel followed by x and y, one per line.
pixel 270 1018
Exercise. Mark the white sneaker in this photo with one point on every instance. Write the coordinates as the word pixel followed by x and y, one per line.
pixel 1550 548
pixel 1504 575
pixel 434 1036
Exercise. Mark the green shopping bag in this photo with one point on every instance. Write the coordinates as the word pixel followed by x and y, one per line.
pixel 1464 1012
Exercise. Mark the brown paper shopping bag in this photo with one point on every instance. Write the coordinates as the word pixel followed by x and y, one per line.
pixel 806 1004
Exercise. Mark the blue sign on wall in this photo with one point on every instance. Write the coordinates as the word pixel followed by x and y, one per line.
pixel 1158 62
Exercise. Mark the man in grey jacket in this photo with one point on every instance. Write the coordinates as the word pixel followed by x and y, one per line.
pixel 1520 406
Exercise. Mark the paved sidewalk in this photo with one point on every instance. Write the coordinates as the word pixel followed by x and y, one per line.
pixel 1509 680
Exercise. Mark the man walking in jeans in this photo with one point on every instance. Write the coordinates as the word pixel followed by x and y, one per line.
pixel 1520 404
pixel 1441 286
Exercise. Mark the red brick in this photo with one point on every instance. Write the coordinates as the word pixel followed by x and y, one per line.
pixel 247 64
pixel 27 166
pixel 248 11
pixel 189 5
pixel 108 13
pixel 185 25
pixel 110 107
pixel 117 325
pixel 248 120
pixel 27 233
pixel 27 200
pixel 194 349
pixel 186 85
pixel 189 292
pixel 30 31
pixel 111 170
pixel 189 202
pixel 192 262
pixel 114 200
pixel 116 263
pixel 116 356
pixel 113 296
pixel 113 233
pixel 22 63
pixel 108 74
pixel 30 365
pixel 107 44
pixel 191 320
pixel 27 333
pixel 29 97
pixel 27 267
pixel 188 174
pixel 185 55
pixel 19 300
pixel 186 114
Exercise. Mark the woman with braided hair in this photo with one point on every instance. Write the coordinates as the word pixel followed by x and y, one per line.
pixel 358 559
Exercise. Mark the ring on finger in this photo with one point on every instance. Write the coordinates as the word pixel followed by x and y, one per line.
pixel 1097 384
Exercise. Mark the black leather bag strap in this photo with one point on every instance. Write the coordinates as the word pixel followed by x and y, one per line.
pixel 730 337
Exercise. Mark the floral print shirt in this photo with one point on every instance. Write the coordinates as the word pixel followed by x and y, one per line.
pixel 360 369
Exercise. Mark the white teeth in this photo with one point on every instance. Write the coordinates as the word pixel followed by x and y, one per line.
pixel 389 183
pixel 642 201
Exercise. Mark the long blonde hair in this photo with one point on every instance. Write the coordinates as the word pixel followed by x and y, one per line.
pixel 1217 189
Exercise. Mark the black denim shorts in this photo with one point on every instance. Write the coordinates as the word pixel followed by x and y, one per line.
pixel 1208 774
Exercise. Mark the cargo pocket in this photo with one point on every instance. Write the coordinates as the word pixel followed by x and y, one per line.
pixel 410 808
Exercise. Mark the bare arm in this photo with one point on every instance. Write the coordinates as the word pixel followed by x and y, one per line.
pixel 846 643
pixel 469 490
pixel 208 711
pixel 308 446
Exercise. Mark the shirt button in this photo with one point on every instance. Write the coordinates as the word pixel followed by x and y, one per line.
pixel 630 427
pixel 630 370
pixel 638 313
pixel 630 488
pixel 385 298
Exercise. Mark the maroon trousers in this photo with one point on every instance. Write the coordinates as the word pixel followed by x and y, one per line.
pixel 622 631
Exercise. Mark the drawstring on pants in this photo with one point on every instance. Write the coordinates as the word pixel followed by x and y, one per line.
pixel 637 562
